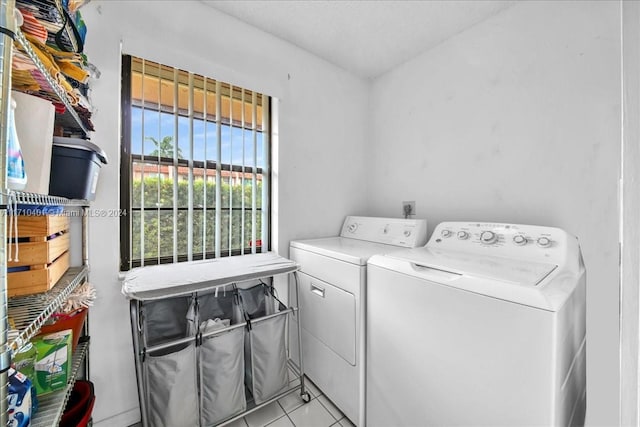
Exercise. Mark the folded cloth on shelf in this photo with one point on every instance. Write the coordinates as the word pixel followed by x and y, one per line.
pixel 31 79
pixel 84 114
pixel 71 64
pixel 44 56
pixel 69 69
pixel 21 61
pixel 62 27
pixel 32 26
pixel 23 81
pixel 59 63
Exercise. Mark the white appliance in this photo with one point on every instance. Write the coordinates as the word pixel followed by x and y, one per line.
pixel 332 291
pixel 485 325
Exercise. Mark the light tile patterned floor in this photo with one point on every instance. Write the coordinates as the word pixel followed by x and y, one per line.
pixel 291 411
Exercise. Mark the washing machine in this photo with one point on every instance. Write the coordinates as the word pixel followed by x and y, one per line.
pixel 332 289
pixel 484 326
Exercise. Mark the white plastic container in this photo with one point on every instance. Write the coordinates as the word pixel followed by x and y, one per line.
pixel 34 124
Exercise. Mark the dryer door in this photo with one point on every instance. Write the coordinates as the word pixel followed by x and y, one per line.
pixel 329 314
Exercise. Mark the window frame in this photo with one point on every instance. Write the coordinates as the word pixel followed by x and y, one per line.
pixel 127 158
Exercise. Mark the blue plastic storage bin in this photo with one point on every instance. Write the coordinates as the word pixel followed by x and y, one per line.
pixel 75 167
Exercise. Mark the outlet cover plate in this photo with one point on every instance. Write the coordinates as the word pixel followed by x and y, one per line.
pixel 408 209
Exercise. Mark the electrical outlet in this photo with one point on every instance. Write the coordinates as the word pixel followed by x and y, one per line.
pixel 408 209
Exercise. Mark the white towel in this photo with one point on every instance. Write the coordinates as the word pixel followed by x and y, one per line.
pixel 214 325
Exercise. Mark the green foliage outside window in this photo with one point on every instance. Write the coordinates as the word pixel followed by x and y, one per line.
pixel 158 223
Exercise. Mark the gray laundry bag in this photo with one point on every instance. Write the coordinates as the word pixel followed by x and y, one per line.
pixel 171 387
pixel 221 357
pixel 220 304
pixel 267 358
pixel 166 319
pixel 266 372
pixel 222 376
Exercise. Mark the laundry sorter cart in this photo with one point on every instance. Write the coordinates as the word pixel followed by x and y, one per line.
pixel 210 339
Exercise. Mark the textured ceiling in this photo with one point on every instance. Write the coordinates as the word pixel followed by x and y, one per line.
pixel 366 38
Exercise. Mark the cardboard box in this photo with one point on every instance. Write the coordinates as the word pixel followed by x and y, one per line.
pixel 53 363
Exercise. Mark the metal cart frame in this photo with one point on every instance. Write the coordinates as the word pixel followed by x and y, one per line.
pixel 259 266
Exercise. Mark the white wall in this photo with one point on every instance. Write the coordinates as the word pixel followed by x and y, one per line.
pixel 517 120
pixel 630 232
pixel 320 135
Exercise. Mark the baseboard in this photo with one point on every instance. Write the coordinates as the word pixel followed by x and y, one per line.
pixel 124 419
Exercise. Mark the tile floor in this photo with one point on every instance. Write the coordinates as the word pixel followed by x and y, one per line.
pixel 291 411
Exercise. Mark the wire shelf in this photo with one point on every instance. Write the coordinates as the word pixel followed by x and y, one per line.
pixel 43 199
pixel 50 14
pixel 51 406
pixel 55 87
pixel 28 313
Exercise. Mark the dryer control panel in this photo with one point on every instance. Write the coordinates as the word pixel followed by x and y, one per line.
pixel 408 233
pixel 532 242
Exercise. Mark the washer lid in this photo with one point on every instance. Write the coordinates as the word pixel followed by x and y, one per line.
pixel 344 249
pixel 535 284
pixel 513 271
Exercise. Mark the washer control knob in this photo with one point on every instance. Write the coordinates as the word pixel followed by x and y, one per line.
pixel 352 227
pixel 519 240
pixel 544 242
pixel 463 235
pixel 446 233
pixel 488 237
pixel 407 233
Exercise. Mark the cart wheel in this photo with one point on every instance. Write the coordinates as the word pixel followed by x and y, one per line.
pixel 306 397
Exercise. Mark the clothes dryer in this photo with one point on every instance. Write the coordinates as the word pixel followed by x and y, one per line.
pixel 484 326
pixel 332 293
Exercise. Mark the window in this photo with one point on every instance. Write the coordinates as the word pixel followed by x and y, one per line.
pixel 194 167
